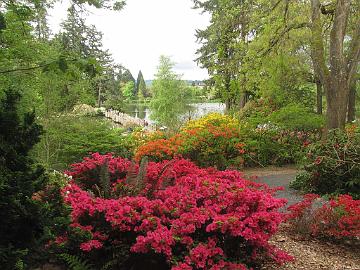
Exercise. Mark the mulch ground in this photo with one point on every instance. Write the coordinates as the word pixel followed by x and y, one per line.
pixel 314 254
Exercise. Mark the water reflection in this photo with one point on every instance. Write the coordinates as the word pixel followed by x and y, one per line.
pixel 195 110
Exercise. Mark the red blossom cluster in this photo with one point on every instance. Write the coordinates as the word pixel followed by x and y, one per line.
pixel 196 218
pixel 298 210
pixel 338 217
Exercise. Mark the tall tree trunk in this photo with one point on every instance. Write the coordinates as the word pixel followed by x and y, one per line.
pixel 337 96
pixel 66 95
pixel 243 100
pixel 351 103
pixel 337 75
pixel 99 95
pixel 319 97
pixel 244 20
pixel 228 100
pixel 227 105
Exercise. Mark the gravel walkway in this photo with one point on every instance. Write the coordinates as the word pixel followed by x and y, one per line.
pixel 277 177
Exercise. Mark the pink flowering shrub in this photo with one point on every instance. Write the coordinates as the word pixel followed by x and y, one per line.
pixel 338 218
pixel 185 216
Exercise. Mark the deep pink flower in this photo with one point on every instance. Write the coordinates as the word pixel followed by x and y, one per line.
pixel 178 213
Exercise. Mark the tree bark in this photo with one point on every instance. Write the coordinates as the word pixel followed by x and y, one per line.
pixel 243 100
pixel 99 95
pixel 227 105
pixel 319 97
pixel 336 80
pixel 338 90
pixel 228 102
pixel 351 103
pixel 337 96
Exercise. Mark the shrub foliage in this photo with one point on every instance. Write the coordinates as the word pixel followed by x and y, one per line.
pixel 333 166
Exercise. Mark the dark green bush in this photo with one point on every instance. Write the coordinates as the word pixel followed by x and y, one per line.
pixel 276 136
pixel 333 166
pixel 256 112
pixel 296 117
pixel 272 146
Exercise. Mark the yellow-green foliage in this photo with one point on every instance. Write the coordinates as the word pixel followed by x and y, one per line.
pixel 212 119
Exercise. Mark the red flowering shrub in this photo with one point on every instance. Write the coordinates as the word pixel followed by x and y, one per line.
pixel 339 218
pixel 193 218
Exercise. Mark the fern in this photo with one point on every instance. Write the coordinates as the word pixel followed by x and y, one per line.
pixel 137 179
pixel 75 263
pixel 109 264
pixel 119 255
pixel 166 182
pixel 131 174
pixel 140 179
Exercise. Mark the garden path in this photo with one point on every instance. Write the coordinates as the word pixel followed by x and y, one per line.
pixel 275 177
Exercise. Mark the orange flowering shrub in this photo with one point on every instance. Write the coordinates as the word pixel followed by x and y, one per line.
pixel 160 149
pixel 210 141
pixel 141 137
pixel 212 145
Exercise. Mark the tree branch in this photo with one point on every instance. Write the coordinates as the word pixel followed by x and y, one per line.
pixel 33 67
pixel 276 5
pixel 23 69
pixel 275 40
pixel 317 43
pixel 327 9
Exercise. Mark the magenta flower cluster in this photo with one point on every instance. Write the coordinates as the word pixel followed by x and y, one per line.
pixel 196 218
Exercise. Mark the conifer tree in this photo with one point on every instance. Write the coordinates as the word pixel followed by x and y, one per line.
pixel 140 90
pixel 21 217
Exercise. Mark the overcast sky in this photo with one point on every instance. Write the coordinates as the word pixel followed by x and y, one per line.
pixel 145 29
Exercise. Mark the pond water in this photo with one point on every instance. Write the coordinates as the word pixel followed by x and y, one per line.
pixel 196 110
